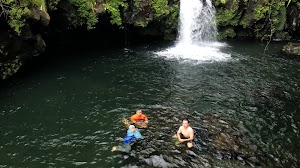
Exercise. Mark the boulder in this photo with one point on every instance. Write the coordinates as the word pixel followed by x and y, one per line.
pixel 99 8
pixel 292 49
pixel 40 15
pixel 226 138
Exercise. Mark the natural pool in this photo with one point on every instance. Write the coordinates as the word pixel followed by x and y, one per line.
pixel 68 110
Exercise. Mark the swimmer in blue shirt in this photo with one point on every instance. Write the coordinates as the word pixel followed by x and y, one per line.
pixel 132 135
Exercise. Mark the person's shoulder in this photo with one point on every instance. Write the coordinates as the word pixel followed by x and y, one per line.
pixel 191 129
pixel 143 115
pixel 133 116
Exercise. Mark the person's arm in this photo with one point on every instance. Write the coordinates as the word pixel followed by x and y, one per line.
pixel 132 118
pixel 146 119
pixel 178 134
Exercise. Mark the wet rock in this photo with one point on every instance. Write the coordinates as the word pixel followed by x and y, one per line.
pixel 191 153
pixel 253 159
pixel 158 161
pixel 292 49
pixel 222 121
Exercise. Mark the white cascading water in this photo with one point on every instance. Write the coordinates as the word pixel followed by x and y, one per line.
pixel 197 33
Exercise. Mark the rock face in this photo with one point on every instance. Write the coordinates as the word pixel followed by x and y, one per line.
pixel 292 49
pixel 15 49
pixel 256 19
pixel 38 15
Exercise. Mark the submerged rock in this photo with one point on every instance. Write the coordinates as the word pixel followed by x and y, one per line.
pixel 227 140
pixel 270 97
pixel 292 49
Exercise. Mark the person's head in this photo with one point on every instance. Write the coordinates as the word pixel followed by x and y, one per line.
pixel 139 112
pixel 132 128
pixel 185 123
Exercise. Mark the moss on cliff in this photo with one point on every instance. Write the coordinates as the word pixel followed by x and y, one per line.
pixel 264 18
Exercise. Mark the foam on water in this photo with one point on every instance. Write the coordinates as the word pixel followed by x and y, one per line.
pixel 206 52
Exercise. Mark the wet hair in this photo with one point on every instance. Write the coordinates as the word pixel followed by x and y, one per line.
pixel 131 126
pixel 185 119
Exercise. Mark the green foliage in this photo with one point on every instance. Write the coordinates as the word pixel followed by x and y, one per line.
pixel 223 1
pixel 267 16
pixel 274 12
pixel 226 17
pixel 140 23
pixel 218 2
pixel 245 23
pixel 260 12
pixel 172 19
pixel 113 6
pixel 226 33
pixel 84 14
pixel 16 18
pixel 10 67
pixel 262 17
pixel 137 3
pixel 38 3
pixel 160 8
pixel 171 22
pixel 52 4
pixel 166 14
pixel 17 10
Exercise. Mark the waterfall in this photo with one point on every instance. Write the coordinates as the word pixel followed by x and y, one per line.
pixel 197 22
pixel 197 33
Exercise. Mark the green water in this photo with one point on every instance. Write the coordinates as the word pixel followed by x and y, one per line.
pixel 68 110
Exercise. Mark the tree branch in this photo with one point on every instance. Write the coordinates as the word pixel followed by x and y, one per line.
pixel 4 10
